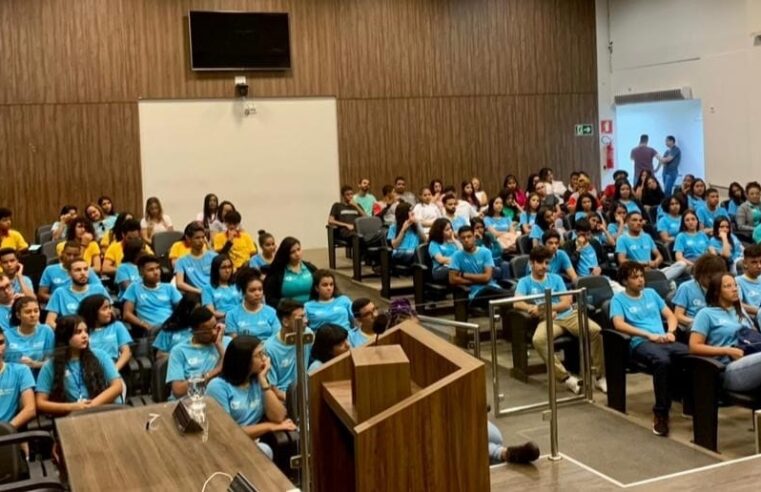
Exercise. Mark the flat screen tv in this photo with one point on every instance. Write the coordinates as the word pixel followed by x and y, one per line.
pixel 239 41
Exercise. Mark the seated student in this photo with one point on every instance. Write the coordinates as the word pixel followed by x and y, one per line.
pixel 16 390
pixel 691 242
pixel 192 271
pixel 252 316
pixel 560 262
pixel 545 220
pixel 472 267
pixel 235 242
pixel 364 198
pixel 405 235
pixel 130 230
pixel 81 231
pixel 485 239
pixel 329 341
pixel 27 341
pixel 77 377
pixel 176 329
pixel 749 283
pixel 690 296
pixel 638 312
pixel 221 295
pixel 65 300
pixel 449 201
pixel 670 222
pixel 725 244
pixel 22 285
pixel 127 273
pixel 587 206
pixel 209 213
pixel 736 198
pixel 107 206
pixel 717 330
pixel 364 312
pixel 218 225
pixel 748 214
pixel 500 226
pixel 584 254
pixel 565 318
pixel 326 305
pixel 386 206
pixel 6 301
pixel 625 197
pixel 242 390
pixel 634 245
pixel 10 238
pixel 57 274
pixel 426 211
pixel 599 231
pixel 107 334
pixel 58 229
pixel 510 208
pixel 155 220
pixel 283 356
pixel 267 247
pixel 115 234
pixel 617 221
pixel 201 357
pixel 344 213
pixel 182 247
pixel 149 303
pixel 528 216
pixel 711 210
pixel 289 276
pixel 441 247
pixel 101 223
pixel 696 196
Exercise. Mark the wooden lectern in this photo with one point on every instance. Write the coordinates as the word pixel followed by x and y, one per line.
pixel 407 414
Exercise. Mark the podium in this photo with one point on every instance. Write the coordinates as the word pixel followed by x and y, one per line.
pixel 406 414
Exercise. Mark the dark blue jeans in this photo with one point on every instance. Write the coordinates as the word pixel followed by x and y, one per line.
pixel 662 359
pixel 669 180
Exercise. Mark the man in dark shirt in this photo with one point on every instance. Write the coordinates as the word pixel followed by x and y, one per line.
pixel 344 213
pixel 643 155
pixel 670 162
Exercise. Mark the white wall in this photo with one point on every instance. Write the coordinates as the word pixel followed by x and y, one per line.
pixel 279 167
pixel 703 44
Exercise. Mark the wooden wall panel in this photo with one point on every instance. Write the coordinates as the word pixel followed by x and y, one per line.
pixel 55 154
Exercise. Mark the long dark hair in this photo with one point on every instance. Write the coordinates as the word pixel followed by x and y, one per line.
pixel 738 201
pixel 317 276
pixel 487 239
pixel 717 223
pixel 436 234
pixel 402 213
pixel 327 337
pixel 18 305
pixel 91 371
pixel 471 199
pixel 236 364
pixel 118 225
pixel 221 207
pixel 71 228
pixel 713 293
pixel 216 264
pixel 643 181
pixel 530 186
pixel 540 222
pixel 208 213
pixel 89 307
pixel 652 197
pixel 692 189
pixel 283 253
pixel 682 227
pixel 180 317
pixel 619 184
pixel 507 179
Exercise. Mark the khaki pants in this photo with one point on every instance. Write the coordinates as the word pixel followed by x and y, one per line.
pixel 570 325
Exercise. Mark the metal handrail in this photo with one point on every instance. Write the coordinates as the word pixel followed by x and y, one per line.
pixel 305 441
pixel 458 324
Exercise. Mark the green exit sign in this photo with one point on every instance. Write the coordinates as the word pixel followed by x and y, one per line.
pixel 584 130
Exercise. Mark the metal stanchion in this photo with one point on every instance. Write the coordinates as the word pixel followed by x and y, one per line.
pixel 757 429
pixel 497 397
pixel 303 460
pixel 552 383
pixel 457 324
pixel 585 345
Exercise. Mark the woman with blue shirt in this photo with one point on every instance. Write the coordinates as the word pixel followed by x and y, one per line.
pixel 242 390
pixel 327 305
pixel 27 341
pixel 726 244
pixel 484 238
pixel 528 216
pixel 696 197
pixel 78 377
pixel 405 235
pixel 441 247
pixel 625 197
pixel 221 295
pixel 617 220
pixel 669 224
pixel 176 329
pixel 252 316
pixel 127 272
pixel 587 207
pixel 736 198
pixel 545 220
pixel 691 242
pixel 289 277
pixel 500 226
pixel 717 330
pixel 106 333
pixel 329 341
pixel 16 390
pixel 267 247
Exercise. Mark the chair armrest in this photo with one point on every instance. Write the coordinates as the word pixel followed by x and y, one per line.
pixel 708 365
pixel 19 437
pixel 33 484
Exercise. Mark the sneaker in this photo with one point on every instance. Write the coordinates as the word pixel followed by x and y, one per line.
pixel 660 425
pixel 573 384
pixel 525 453
pixel 602 384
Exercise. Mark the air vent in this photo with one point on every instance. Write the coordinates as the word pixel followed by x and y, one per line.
pixel 657 96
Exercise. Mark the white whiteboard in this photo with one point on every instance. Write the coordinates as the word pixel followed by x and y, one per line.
pixel 278 167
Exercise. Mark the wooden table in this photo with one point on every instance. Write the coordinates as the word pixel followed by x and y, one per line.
pixel 113 451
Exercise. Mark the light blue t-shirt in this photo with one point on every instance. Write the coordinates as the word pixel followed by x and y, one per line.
pixel 16 284
pixel 643 312
pixel 559 263
pixel 500 224
pixel 110 339
pixel 690 296
pixel 245 404
pixel 637 249
pixel 631 206
pixel 536 232
pixel 707 218
pixel 529 286
pixel 165 341
pixel 283 357
pixel 691 244
pixel 587 260
pixel 695 203
pixel 74 386
pixel 527 218
pixel 14 380
pixel 153 305
pixel 261 323
pixel 410 240
pixel 337 311
pixel 257 261
pixel 197 270
pixel 612 228
pixel 224 298
pixel 126 272
pixel 190 359
pixel 458 222
pixel 5 316
pixel 446 250
pixel 720 326
pixel 357 338
pixel 750 290
pixel 670 224
pixel 475 262
pixel 55 276
pixel 38 346
pixel 65 302
pixel 314 365
pixel 737 249
pixel 732 208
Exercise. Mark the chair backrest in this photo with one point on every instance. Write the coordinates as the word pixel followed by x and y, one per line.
pixel 656 279
pixel 34 265
pixel 423 257
pixel 49 250
pixel 524 244
pixel 12 467
pixel 163 241
pixel 652 213
pixel 44 237
pixel 519 266
pixel 368 226
pixel 43 229
pixel 159 388
pixel 598 289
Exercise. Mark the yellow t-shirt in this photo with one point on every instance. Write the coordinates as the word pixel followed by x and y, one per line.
pixel 91 251
pixel 115 253
pixel 242 250
pixel 14 240
pixel 180 249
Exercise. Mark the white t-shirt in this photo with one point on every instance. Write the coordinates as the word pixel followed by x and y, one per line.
pixel 162 226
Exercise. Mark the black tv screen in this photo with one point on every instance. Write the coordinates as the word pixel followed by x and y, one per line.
pixel 239 41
